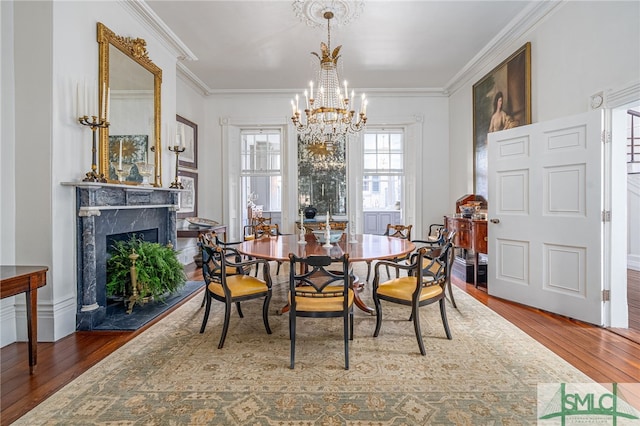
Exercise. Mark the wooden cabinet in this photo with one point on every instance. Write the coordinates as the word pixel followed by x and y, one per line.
pixel 471 234
pixel 479 236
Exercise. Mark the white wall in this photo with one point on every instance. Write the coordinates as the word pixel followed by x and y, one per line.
pixel 7 168
pixel 580 49
pixel 56 47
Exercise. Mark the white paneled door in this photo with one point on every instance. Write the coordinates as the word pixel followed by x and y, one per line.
pixel 545 212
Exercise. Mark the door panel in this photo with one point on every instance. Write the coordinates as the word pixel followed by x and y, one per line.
pixel 545 186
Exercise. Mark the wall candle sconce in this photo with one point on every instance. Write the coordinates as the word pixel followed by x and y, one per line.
pixel 101 121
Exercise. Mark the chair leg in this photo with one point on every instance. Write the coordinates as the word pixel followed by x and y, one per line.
pixel 351 323
pixel 207 298
pixel 453 301
pixel 443 315
pixel 204 299
pixel 265 312
pixel 346 333
pixel 416 325
pixel 376 302
pixel 239 310
pixel 225 327
pixel 278 268
pixel 292 337
pixel 368 270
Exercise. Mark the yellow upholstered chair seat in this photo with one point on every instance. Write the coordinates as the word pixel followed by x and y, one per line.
pixel 239 285
pixel 403 288
pixel 317 303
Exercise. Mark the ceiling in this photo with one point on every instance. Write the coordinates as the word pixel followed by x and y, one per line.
pixel 398 45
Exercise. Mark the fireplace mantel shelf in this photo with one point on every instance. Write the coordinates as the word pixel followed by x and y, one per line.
pixel 132 188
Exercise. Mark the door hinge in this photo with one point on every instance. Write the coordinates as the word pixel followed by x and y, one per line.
pixel 605 137
pixel 606 295
pixel 606 215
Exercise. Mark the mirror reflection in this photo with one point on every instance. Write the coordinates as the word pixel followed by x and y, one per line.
pixel 130 147
pixel 322 177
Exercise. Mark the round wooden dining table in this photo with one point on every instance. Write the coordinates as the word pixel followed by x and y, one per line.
pixel 366 247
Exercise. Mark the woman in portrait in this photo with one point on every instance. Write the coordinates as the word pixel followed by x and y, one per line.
pixel 500 120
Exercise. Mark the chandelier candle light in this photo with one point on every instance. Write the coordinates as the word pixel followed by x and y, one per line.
pixel 331 114
pixel 95 122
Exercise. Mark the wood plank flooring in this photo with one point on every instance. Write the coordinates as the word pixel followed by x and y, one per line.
pixel 602 355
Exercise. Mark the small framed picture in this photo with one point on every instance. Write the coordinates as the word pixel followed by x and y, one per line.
pixel 188 204
pixel 187 134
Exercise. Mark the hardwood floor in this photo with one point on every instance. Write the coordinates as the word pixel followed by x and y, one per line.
pixel 602 355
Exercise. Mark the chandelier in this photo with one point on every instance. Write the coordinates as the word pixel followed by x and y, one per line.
pixel 329 112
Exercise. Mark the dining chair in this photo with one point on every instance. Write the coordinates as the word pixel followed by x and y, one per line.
pixel 424 284
pixel 317 290
pixel 435 231
pixel 233 288
pixel 396 231
pixel 211 239
pixel 434 248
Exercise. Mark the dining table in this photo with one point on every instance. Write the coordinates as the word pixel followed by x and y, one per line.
pixel 359 247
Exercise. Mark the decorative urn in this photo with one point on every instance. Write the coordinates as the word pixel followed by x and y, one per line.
pixel 310 212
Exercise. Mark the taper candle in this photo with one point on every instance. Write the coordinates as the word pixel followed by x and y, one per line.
pixel 120 157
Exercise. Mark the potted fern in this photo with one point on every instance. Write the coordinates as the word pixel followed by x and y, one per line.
pixel 158 270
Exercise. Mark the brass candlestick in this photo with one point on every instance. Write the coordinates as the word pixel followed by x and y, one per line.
pixel 177 149
pixel 94 124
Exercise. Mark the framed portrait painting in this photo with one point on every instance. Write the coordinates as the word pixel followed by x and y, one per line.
pixel 187 134
pixel 188 204
pixel 501 100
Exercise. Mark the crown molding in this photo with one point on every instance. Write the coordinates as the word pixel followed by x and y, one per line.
pixel 623 95
pixel 185 74
pixel 493 52
pixel 147 16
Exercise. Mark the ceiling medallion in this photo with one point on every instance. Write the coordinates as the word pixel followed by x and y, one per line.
pixel 311 12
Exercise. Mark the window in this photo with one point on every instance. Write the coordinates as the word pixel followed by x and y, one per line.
pixel 383 170
pixel 261 170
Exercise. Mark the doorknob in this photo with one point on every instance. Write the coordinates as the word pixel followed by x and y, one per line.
pixel 495 221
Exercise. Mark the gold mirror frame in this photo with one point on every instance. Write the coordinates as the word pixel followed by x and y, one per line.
pixel 136 50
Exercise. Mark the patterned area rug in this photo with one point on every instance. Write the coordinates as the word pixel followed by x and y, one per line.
pixel 171 374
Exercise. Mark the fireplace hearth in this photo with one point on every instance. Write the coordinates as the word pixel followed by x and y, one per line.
pixel 105 211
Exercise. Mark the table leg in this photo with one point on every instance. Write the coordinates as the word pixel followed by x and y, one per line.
pixel 357 288
pixel 32 327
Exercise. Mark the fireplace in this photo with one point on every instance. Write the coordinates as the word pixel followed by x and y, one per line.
pixel 107 212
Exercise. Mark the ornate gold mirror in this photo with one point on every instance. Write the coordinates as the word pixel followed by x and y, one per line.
pixel 130 148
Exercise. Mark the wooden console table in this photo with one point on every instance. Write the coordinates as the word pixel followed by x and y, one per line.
pixel 196 232
pixel 471 234
pixel 25 279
